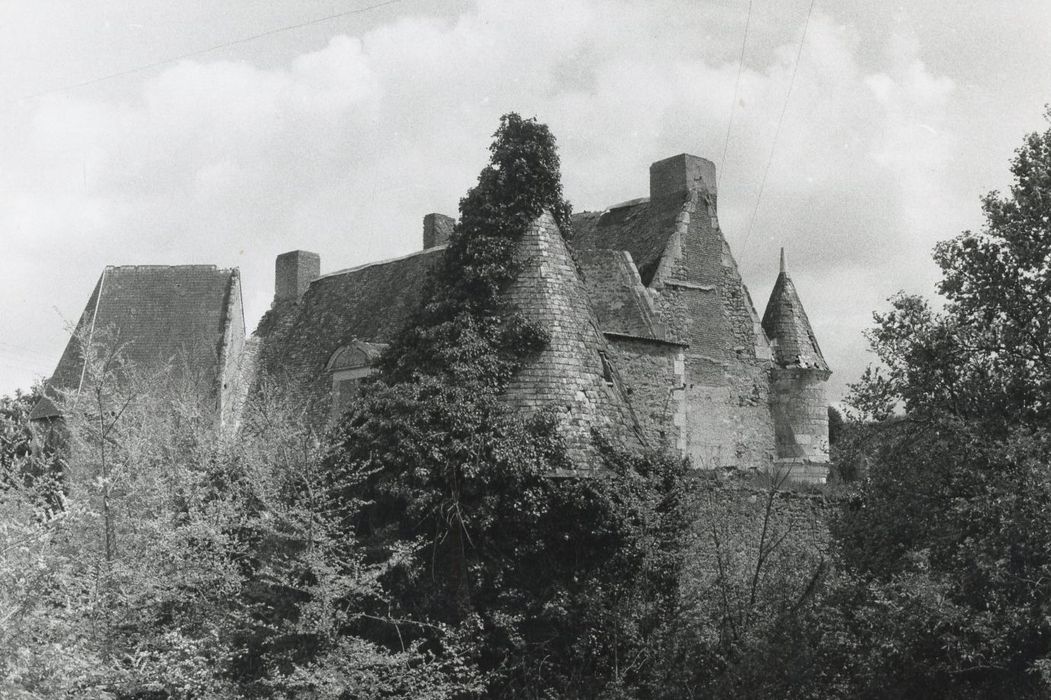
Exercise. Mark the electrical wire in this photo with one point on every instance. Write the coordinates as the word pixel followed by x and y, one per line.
pixel 733 105
pixel 777 132
pixel 200 52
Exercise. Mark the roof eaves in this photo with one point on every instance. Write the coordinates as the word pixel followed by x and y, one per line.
pixel 648 339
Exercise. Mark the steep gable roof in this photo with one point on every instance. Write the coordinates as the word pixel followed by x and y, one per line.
pixel 786 323
pixel 158 315
pixel 617 294
pixel 642 227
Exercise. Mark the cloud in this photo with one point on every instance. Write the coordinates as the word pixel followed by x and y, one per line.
pixel 344 149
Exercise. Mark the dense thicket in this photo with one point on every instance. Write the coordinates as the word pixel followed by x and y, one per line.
pixel 423 548
pixel 561 582
pixel 178 565
pixel 944 551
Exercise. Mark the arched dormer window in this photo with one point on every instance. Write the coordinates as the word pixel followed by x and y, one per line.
pixel 347 366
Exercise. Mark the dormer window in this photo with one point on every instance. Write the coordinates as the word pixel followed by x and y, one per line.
pixel 347 366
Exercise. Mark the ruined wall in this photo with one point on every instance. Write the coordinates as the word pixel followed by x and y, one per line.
pixel 703 302
pixel 230 352
pixel 653 376
pixel 726 539
pixel 569 375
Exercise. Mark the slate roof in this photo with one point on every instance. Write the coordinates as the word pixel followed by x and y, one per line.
pixel 617 294
pixel 373 302
pixel 642 227
pixel 368 303
pixel 786 323
pixel 159 315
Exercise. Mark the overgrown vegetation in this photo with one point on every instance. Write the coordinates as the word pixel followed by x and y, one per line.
pixel 465 331
pixel 944 551
pixel 423 548
pixel 182 566
pixel 499 547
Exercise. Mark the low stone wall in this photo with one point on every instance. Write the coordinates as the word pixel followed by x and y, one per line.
pixel 741 529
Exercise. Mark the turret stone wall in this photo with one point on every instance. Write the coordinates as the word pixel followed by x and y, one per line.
pixel 653 375
pixel 574 375
pixel 800 411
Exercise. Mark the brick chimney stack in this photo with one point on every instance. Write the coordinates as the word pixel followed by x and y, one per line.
pixel 679 175
pixel 436 230
pixel 293 273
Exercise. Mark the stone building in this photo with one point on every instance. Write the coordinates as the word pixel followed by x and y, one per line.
pixel 654 337
pixel 185 321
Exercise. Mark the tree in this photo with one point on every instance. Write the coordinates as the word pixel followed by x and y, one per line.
pixel 987 355
pixel 16 438
pixel 561 583
pixel 183 564
pixel 946 548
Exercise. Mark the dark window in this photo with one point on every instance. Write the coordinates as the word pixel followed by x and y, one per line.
pixel 607 368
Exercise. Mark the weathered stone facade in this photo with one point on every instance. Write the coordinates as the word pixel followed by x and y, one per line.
pixel 704 304
pixel 734 406
pixel 654 337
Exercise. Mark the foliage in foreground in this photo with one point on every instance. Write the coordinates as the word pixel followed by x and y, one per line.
pixel 179 566
pixel 561 583
pixel 944 552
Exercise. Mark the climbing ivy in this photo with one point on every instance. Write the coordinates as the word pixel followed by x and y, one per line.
pixel 552 582
pixel 465 328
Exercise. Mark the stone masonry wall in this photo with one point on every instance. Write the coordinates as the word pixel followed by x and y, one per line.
pixel 230 352
pixel 569 376
pixel 800 411
pixel 703 302
pixel 726 538
pixel 653 375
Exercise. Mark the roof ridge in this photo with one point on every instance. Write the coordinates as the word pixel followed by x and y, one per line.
pixel 613 207
pixel 202 266
pixel 364 266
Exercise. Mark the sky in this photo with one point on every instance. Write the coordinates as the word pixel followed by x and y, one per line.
pixel 338 135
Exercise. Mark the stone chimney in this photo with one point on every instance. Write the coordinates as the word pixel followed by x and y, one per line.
pixel 436 230
pixel 294 271
pixel 678 175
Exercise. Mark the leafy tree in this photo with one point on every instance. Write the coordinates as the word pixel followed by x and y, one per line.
pixel 561 583
pixel 944 550
pixel 465 329
pixel 987 355
pixel 185 565
pixel 16 438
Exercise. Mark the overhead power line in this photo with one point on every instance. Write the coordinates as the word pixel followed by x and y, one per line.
pixel 777 132
pixel 733 105
pixel 209 49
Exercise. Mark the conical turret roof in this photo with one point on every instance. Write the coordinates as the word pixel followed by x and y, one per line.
pixel 574 374
pixel 786 324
